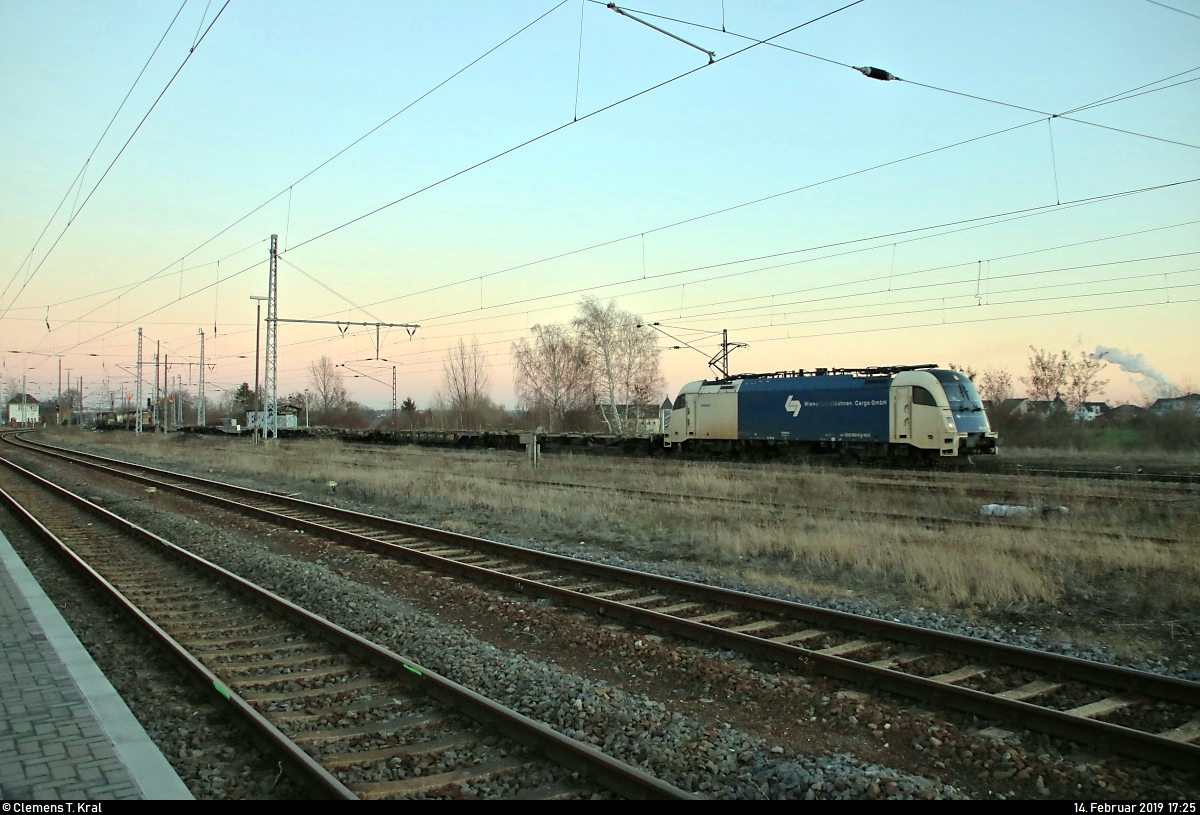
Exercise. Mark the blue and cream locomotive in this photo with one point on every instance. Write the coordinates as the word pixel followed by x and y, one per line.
pixel 907 411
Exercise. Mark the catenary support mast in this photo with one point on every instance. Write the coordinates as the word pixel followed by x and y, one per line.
pixel 271 380
pixel 137 391
pixel 200 417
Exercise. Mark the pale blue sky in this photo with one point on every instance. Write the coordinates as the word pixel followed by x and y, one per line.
pixel 276 88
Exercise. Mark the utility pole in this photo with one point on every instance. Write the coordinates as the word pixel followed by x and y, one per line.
pixel 201 419
pixel 257 344
pixel 137 419
pixel 166 395
pixel 24 401
pixel 271 379
pixel 58 401
pixel 394 423
pixel 154 402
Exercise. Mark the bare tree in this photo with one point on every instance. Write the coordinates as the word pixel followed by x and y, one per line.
pixel 624 360
pixel 995 386
pixel 1047 375
pixel 967 370
pixel 466 376
pixel 551 374
pixel 1081 378
pixel 328 388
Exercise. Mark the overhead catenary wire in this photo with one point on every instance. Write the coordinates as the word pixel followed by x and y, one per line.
pixel 963 296
pixel 498 359
pixel 880 279
pixel 878 73
pixel 1172 8
pixel 1019 213
pixel 343 150
pixel 1000 318
pixel 329 289
pixel 1189 81
pixel 124 287
pixel 507 151
pixel 773 255
pixel 1073 244
pixel 723 210
pixel 117 157
pixel 840 284
pixel 79 176
pixel 641 234
pixel 966 296
pixel 755 42
pixel 561 127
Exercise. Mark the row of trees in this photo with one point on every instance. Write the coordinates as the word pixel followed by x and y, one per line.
pixel 605 358
pixel 603 363
pixel 1051 376
pixel 1074 379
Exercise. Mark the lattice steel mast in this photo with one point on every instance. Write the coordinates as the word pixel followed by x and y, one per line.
pixel 200 417
pixel 270 382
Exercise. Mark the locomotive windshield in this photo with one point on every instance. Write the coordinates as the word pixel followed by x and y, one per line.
pixel 959 390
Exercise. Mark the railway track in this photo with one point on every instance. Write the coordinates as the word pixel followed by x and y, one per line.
pixel 350 719
pixel 1140 714
pixel 806 509
pixel 1012 487
pixel 981 465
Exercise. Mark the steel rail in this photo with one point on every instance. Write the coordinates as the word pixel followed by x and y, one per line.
pixel 1126 740
pixel 302 766
pixel 619 447
pixel 812 511
pixel 614 775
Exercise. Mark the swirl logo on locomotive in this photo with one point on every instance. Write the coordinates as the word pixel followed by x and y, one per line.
pixel 792 406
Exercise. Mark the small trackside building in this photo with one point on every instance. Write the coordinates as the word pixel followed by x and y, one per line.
pixel 23 409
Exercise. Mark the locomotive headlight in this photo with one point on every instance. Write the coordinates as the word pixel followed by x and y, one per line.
pixel 950 423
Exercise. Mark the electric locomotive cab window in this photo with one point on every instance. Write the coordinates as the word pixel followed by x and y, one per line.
pixel 963 396
pixel 921 396
pixel 679 402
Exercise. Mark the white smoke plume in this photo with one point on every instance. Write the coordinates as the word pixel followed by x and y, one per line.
pixel 1131 363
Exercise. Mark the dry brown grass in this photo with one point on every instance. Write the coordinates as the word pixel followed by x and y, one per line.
pixel 1168 460
pixel 1093 555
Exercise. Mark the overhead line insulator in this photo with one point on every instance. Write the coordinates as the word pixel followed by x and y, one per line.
pixel 876 73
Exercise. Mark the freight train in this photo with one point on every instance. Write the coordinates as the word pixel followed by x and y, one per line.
pixel 914 411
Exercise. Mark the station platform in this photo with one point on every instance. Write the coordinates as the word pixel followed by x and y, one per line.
pixel 65 734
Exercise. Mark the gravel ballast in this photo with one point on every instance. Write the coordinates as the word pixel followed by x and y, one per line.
pixel 707 756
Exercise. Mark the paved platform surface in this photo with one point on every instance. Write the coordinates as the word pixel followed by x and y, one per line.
pixel 64 731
